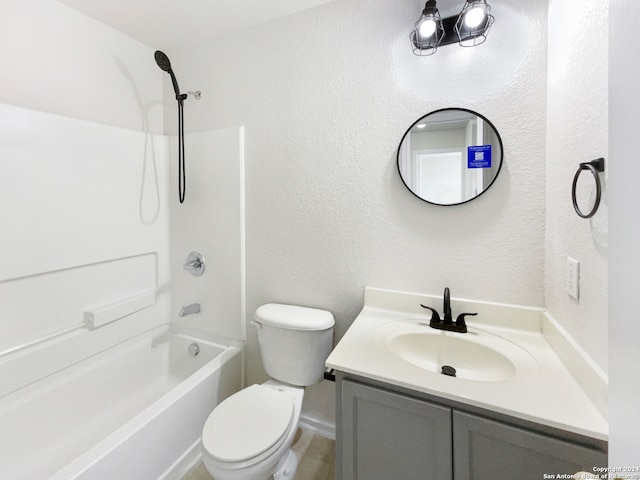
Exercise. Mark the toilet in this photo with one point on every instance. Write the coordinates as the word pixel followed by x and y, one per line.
pixel 248 436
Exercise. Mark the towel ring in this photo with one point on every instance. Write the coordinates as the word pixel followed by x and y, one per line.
pixel 594 167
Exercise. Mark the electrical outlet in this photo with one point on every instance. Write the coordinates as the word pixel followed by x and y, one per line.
pixel 573 277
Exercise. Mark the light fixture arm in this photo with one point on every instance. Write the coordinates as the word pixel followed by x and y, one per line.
pixel 429 7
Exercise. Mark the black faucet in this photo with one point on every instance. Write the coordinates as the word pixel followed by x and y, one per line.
pixel 446 308
pixel 447 322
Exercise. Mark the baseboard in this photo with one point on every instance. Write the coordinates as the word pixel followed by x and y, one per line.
pixel 320 428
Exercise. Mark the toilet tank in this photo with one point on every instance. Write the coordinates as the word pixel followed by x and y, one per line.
pixel 294 342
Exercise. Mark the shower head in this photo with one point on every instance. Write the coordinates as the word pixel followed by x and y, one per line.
pixel 163 62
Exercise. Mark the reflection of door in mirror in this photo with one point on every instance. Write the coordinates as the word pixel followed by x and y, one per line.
pixel 440 173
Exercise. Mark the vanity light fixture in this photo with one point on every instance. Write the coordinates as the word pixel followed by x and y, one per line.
pixel 428 31
pixel 474 22
pixel 468 29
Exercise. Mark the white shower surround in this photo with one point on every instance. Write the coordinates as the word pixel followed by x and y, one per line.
pixel 98 239
pixel 85 223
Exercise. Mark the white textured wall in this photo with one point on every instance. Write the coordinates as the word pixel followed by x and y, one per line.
pixel 57 60
pixel 577 131
pixel 325 97
pixel 624 328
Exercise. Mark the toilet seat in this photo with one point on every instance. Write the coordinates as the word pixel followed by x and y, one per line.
pixel 249 425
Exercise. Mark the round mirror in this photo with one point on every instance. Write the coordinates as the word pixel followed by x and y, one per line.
pixel 450 156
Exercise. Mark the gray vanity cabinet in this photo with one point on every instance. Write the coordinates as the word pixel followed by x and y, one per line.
pixel 486 450
pixel 388 435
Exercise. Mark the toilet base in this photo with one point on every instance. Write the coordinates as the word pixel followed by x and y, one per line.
pixel 287 467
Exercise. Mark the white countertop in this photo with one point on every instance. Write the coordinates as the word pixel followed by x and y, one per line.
pixel 549 394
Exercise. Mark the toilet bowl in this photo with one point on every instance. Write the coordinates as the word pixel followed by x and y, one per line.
pixel 248 436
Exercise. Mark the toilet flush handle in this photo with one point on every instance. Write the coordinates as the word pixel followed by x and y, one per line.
pixel 256 324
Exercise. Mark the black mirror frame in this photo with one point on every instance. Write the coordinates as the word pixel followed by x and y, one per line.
pixel 442 110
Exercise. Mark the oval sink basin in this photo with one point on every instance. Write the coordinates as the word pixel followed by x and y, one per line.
pixel 476 355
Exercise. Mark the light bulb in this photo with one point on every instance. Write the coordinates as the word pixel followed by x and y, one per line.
pixel 427 28
pixel 474 17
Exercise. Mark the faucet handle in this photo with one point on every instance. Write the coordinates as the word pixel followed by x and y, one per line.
pixel 434 314
pixel 194 264
pixel 460 319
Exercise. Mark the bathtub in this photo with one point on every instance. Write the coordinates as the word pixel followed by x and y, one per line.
pixel 131 412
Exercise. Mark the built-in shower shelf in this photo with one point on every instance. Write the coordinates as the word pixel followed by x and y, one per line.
pixel 110 312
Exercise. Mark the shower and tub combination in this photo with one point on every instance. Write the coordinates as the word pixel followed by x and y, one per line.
pixel 92 398
pixel 94 403
pixel 132 411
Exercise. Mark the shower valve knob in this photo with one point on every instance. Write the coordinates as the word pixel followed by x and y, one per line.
pixel 194 264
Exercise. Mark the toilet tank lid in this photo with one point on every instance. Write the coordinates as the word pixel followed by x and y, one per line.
pixel 292 317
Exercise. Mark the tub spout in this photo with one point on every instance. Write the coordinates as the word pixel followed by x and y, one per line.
pixel 189 310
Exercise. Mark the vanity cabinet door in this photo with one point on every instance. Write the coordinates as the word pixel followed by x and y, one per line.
pixel 488 450
pixel 387 436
